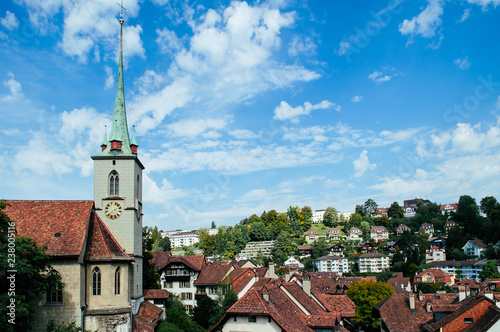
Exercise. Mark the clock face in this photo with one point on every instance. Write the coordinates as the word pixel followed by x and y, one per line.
pixel 113 210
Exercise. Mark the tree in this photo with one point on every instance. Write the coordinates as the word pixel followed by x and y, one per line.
pixel 365 294
pixel 213 225
pixel 258 231
pixel 32 277
pixel 205 309
pixel 150 278
pixel 165 244
pixel 489 271
pixel 360 209
pixel 305 218
pixel 426 288
pixel 330 217
pixel 319 248
pixel 370 207
pixel 385 275
pixel 226 297
pixel 282 248
pixel 395 211
pixel 176 315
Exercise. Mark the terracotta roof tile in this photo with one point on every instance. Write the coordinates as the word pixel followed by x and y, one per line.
pixel 156 294
pixel 143 324
pixel 101 245
pixel 341 305
pixel 147 318
pixel 213 274
pixel 61 226
pixel 160 259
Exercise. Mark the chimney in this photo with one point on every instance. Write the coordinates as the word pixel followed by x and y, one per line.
pixel 420 296
pixel 270 273
pixel 306 284
pixel 428 306
pixel 461 293
pixel 412 301
pixel 265 294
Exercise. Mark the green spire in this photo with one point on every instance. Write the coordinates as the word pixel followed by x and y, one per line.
pixel 119 128
pixel 105 141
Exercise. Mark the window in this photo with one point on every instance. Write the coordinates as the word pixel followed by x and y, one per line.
pixel 117 281
pixel 186 296
pixel 184 284
pixel 54 296
pixel 468 320
pixel 252 319
pixel 168 284
pixel 96 281
pixel 114 184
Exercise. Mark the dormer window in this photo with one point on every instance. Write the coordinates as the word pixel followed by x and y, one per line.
pixel 114 184
pixel 116 145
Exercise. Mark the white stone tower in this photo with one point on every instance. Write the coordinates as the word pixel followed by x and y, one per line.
pixel 118 185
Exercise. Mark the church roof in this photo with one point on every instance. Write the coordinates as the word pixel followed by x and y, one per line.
pixel 65 228
pixel 60 226
pixel 101 244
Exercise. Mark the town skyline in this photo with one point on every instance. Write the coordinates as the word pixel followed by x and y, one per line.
pixel 244 107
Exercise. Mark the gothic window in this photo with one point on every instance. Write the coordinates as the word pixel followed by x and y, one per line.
pixel 96 281
pixel 114 184
pixel 117 281
pixel 54 296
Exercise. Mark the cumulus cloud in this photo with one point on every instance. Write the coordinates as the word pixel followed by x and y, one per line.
pixel 15 89
pixel 109 83
pixel 304 45
pixel 243 134
pixel 286 112
pixel 465 15
pixel 167 41
pixel 10 21
pixel 195 127
pixel 379 77
pixel 462 63
pixel 426 23
pixel 357 99
pixel 362 164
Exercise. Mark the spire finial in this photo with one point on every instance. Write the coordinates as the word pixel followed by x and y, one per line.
pixel 121 11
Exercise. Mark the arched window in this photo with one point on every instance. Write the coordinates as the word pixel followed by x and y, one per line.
pixel 54 295
pixel 138 188
pixel 114 184
pixel 117 280
pixel 96 281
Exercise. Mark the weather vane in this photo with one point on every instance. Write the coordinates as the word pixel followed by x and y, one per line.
pixel 121 11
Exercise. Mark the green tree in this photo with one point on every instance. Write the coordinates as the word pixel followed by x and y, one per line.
pixel 226 297
pixel 395 211
pixel 385 275
pixel 360 209
pixel 258 231
pixel 176 314
pixel 205 309
pixel 32 277
pixel 330 217
pixel 489 271
pixel 370 207
pixel 165 244
pixel 150 278
pixel 426 288
pixel 305 217
pixel 155 235
pixel 213 225
pixel 365 294
pixel 282 248
pixel 319 248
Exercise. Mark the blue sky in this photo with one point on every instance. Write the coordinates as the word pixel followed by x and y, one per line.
pixel 241 107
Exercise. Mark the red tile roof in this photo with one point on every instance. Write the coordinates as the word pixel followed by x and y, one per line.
pixel 160 258
pixel 341 305
pixel 436 273
pixel 61 226
pixel 214 273
pixel 101 245
pixel 147 318
pixel 195 263
pixel 156 294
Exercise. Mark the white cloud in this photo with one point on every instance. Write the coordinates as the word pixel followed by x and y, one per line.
pixel 462 63
pixel 15 89
pixel 426 23
pixel 243 134
pixel 109 78
pixel 167 41
pixel 362 164
pixel 344 47
pixel 10 21
pixel 379 77
pixel 160 195
pixel 485 3
pixel 357 99
pixel 286 112
pixel 465 15
pixel 194 127
pixel 302 46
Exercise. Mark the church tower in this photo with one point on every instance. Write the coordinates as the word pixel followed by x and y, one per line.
pixel 118 185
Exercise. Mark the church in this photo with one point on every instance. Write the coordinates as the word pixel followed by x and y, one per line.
pixel 95 245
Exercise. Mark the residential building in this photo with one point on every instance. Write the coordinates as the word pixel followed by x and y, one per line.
pixel 304 250
pixel 334 234
pixel 366 247
pixel 448 209
pixel 438 241
pixel 391 246
pixel 158 297
pixel 470 286
pixel 311 235
pixel 475 248
pixel 211 277
pixel 410 206
pixel 373 262
pixel 379 233
pixel 345 216
pixel 252 249
pixel 332 264
pixel 427 228
pixel 178 275
pixel 400 284
pixel 435 254
pixel 381 212
pixel 466 269
pixel 287 306
pixel 183 239
pixel 317 216
pixel 437 312
pixel 212 231
pixel 402 228
pixel 433 276
pixel 354 234
pixel 336 250
pixel 449 225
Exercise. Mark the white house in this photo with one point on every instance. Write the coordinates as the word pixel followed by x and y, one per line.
pixel 379 233
pixel 435 254
pixel 332 264
pixel 475 247
pixel 354 234
pixel 317 216
pixel 373 262
pixel 183 239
